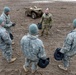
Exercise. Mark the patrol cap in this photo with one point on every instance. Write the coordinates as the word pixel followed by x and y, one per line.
pixel 1 20
pixel 6 9
pixel 33 29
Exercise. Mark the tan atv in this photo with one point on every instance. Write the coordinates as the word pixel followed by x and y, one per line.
pixel 34 12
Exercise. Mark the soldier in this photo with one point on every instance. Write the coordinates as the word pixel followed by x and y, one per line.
pixel 5 43
pixel 7 22
pixel 69 47
pixel 32 48
pixel 46 22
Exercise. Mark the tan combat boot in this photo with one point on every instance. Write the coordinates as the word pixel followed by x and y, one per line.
pixel 12 60
pixel 62 67
pixel 13 42
pixel 32 71
pixel 25 68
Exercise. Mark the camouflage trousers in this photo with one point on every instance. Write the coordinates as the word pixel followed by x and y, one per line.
pixel 7 53
pixel 45 29
pixel 31 63
pixel 66 59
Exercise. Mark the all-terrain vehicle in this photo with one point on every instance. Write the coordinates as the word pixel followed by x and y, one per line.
pixel 34 12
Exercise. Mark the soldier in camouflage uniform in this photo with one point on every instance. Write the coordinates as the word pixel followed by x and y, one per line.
pixel 5 43
pixel 46 22
pixel 69 47
pixel 32 48
pixel 7 22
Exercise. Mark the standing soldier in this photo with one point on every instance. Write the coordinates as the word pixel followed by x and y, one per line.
pixel 46 22
pixel 5 43
pixel 32 48
pixel 69 48
pixel 7 22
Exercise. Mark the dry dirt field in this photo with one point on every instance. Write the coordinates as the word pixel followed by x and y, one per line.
pixel 63 15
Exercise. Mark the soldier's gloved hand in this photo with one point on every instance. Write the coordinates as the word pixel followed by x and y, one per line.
pixel 13 24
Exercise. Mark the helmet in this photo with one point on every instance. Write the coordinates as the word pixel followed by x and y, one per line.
pixel 58 55
pixel 43 62
pixel 74 22
pixel 33 29
pixel 6 9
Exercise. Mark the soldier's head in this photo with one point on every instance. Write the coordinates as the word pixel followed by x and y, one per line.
pixel 6 10
pixel 1 22
pixel 74 23
pixel 47 11
pixel 33 29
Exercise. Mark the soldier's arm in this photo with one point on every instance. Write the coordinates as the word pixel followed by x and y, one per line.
pixel 7 25
pixel 67 44
pixel 42 53
pixel 6 38
pixel 50 18
pixel 50 22
pixel 42 20
pixel 24 46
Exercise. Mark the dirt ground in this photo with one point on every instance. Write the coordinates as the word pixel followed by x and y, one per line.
pixel 63 15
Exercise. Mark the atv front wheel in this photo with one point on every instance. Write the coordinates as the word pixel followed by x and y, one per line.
pixel 33 15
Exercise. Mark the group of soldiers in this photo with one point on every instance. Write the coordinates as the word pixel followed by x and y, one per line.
pixel 31 46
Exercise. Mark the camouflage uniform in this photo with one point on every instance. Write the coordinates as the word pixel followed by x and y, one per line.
pixel 5 44
pixel 46 23
pixel 32 48
pixel 7 24
pixel 69 47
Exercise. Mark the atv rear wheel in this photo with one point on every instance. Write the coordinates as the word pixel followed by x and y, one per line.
pixel 26 13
